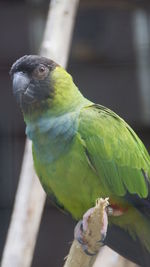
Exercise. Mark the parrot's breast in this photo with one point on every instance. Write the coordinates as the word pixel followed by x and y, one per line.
pixel 71 180
pixel 61 162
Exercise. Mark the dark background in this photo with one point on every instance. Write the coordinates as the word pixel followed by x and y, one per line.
pixel 109 57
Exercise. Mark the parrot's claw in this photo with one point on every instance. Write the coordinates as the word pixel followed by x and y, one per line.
pixel 80 230
pixel 87 252
pixel 109 211
pixel 101 241
pixel 79 236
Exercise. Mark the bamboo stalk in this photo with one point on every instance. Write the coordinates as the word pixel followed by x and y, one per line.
pixel 30 197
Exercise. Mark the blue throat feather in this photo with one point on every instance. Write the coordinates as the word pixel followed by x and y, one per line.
pixel 51 136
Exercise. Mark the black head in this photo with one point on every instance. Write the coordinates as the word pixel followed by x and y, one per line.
pixel 31 79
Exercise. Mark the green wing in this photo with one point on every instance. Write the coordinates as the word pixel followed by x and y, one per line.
pixel 114 151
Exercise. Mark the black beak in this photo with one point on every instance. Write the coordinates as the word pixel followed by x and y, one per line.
pixel 21 82
pixel 22 88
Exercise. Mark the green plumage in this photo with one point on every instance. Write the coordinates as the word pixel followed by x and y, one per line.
pixel 83 151
pixel 103 153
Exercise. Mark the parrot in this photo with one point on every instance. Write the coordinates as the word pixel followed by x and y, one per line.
pixel 83 151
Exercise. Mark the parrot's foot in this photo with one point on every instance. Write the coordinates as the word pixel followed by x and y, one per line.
pixel 79 236
pixel 81 228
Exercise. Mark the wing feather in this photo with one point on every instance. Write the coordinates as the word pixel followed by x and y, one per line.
pixel 115 151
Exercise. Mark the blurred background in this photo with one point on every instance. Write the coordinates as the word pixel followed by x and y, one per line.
pixel 110 63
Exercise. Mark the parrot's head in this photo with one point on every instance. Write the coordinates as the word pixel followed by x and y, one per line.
pixel 41 84
pixel 32 82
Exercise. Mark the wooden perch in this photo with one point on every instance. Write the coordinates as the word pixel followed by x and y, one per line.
pixel 77 257
pixel 30 197
pixel 105 257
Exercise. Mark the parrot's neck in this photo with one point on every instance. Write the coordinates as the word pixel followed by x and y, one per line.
pixel 52 135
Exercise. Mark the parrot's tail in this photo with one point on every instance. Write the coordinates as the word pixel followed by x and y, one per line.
pixel 120 241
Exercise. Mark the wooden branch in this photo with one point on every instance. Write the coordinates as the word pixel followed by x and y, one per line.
pixel 29 202
pixel 77 257
pixel 30 197
pixel 60 21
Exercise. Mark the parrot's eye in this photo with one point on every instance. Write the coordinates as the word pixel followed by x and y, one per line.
pixel 40 72
pixel 42 68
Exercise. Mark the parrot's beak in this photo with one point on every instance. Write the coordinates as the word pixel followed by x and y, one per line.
pixel 21 82
pixel 22 88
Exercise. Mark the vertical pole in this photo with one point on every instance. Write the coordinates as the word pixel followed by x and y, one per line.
pixel 30 197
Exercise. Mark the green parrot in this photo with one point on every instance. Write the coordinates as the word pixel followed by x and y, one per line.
pixel 83 151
